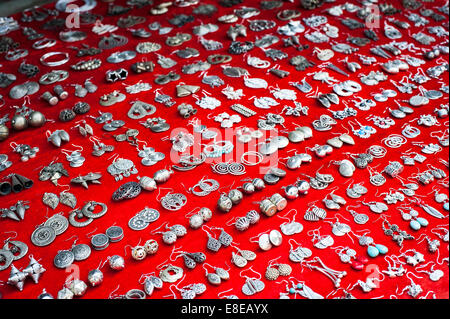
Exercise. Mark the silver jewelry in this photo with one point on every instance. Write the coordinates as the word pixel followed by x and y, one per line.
pixel 64 60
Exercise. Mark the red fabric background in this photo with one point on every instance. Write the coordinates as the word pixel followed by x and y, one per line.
pixel 119 213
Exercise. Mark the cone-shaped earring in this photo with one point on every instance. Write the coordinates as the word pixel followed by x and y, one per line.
pixel 5 188
pixel 16 185
pixel 7 213
pixel 17 278
pixel 34 270
pixel 26 182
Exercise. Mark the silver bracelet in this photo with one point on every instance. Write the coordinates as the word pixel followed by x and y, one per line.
pixel 44 43
pixel 54 63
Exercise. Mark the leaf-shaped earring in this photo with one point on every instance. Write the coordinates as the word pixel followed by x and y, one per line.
pixel 51 200
pixel 68 199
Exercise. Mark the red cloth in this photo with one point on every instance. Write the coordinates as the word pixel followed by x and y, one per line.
pixel 120 212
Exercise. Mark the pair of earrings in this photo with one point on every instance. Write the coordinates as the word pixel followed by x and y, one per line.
pixel 319 241
pixel 243 223
pixel 57 137
pixel 199 217
pixel 376 207
pixel 52 200
pixel 364 131
pixel 432 244
pixel 141 252
pixel 274 270
pixel 219 275
pixel 252 285
pixel 268 241
pixel 99 148
pixel 214 244
pixel 242 257
pixel 346 168
pixel 75 157
pixel 190 259
pixel 301 289
pixel 25 151
pixel 65 258
pixel 339 141
pixel 356 190
pixel 335 202
pixel 415 222
pixel 396 269
pixel 346 255
pixel 433 274
pixel 15 212
pixel 298 254
pixel 414 259
pixel 84 128
pixel 373 250
pixel 320 181
pixel 391 231
pixel 170 237
pixel 291 227
pixel 339 229
pixel 52 99
pixel 34 270
pixel 151 282
pixel 296 160
pixel 82 91
pixel 334 275
pixel 12 250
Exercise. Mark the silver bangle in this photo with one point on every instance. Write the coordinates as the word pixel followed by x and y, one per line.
pixel 54 63
pixel 44 43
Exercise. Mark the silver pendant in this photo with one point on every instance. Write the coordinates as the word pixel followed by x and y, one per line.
pixel 81 252
pixel 43 236
pixel 64 259
pixel 58 223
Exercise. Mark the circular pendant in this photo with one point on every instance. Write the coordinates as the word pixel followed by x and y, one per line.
pixel 148 215
pixel 136 223
pixel 63 259
pixel 100 241
pixel 114 233
pixel 275 237
pixel 81 252
pixel 43 236
pixel 58 222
